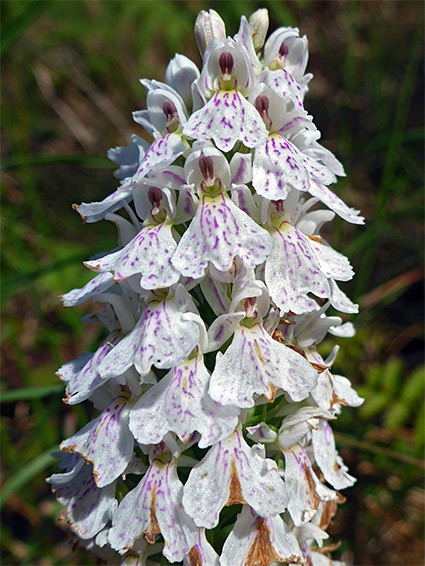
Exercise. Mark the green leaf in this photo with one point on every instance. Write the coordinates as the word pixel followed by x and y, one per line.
pixel 414 388
pixel 28 393
pixel 390 376
pixel 27 473
pixel 374 405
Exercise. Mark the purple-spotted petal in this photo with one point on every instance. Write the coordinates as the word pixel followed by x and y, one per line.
pixel 83 381
pixel 304 488
pixel 180 403
pixel 219 232
pixel 331 200
pixel 332 389
pixel 327 458
pixel 71 369
pixel 201 553
pixel 231 473
pixel 333 264
pixel 105 442
pixel 86 507
pixel 340 301
pixel 296 426
pixel 254 363
pixel 222 328
pixel 161 153
pixel 227 118
pixel 241 168
pixel 279 165
pixel 94 211
pixel 149 254
pixel 163 337
pixel 153 507
pixel 284 85
pixel 293 270
pixel 215 292
pixel 97 285
pixel 255 540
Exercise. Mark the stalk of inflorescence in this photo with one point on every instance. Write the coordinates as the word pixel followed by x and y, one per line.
pixel 211 442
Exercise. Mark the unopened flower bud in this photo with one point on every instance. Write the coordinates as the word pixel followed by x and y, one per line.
pixel 180 74
pixel 208 26
pixel 259 24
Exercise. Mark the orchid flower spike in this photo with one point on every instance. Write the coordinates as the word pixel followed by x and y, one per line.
pixel 209 390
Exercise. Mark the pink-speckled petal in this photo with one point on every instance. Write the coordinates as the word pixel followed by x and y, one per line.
pixel 215 292
pixel 97 285
pixel 219 232
pixel 71 369
pixel 180 403
pixel 333 264
pixel 333 201
pixel 231 473
pixel 227 118
pixel 82 383
pixel 304 488
pixel 332 389
pixel 94 211
pixel 255 540
pixel 86 507
pixel 292 271
pixel 201 553
pixel 255 363
pixel 241 168
pixel 296 426
pixel 163 337
pixel 284 85
pixel 340 301
pixel 153 507
pixel 106 442
pixel 149 254
pixel 222 328
pixel 279 165
pixel 161 153
pixel 328 459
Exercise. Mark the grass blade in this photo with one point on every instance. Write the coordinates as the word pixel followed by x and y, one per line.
pixel 27 473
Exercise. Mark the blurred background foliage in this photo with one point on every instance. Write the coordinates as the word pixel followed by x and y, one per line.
pixel 70 75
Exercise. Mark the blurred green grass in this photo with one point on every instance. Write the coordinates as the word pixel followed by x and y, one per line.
pixel 70 75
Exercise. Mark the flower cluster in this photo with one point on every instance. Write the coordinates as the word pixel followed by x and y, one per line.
pixel 212 444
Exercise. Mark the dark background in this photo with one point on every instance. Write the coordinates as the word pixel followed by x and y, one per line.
pixel 70 73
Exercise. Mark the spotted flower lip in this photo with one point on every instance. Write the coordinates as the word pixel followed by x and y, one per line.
pixel 210 441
